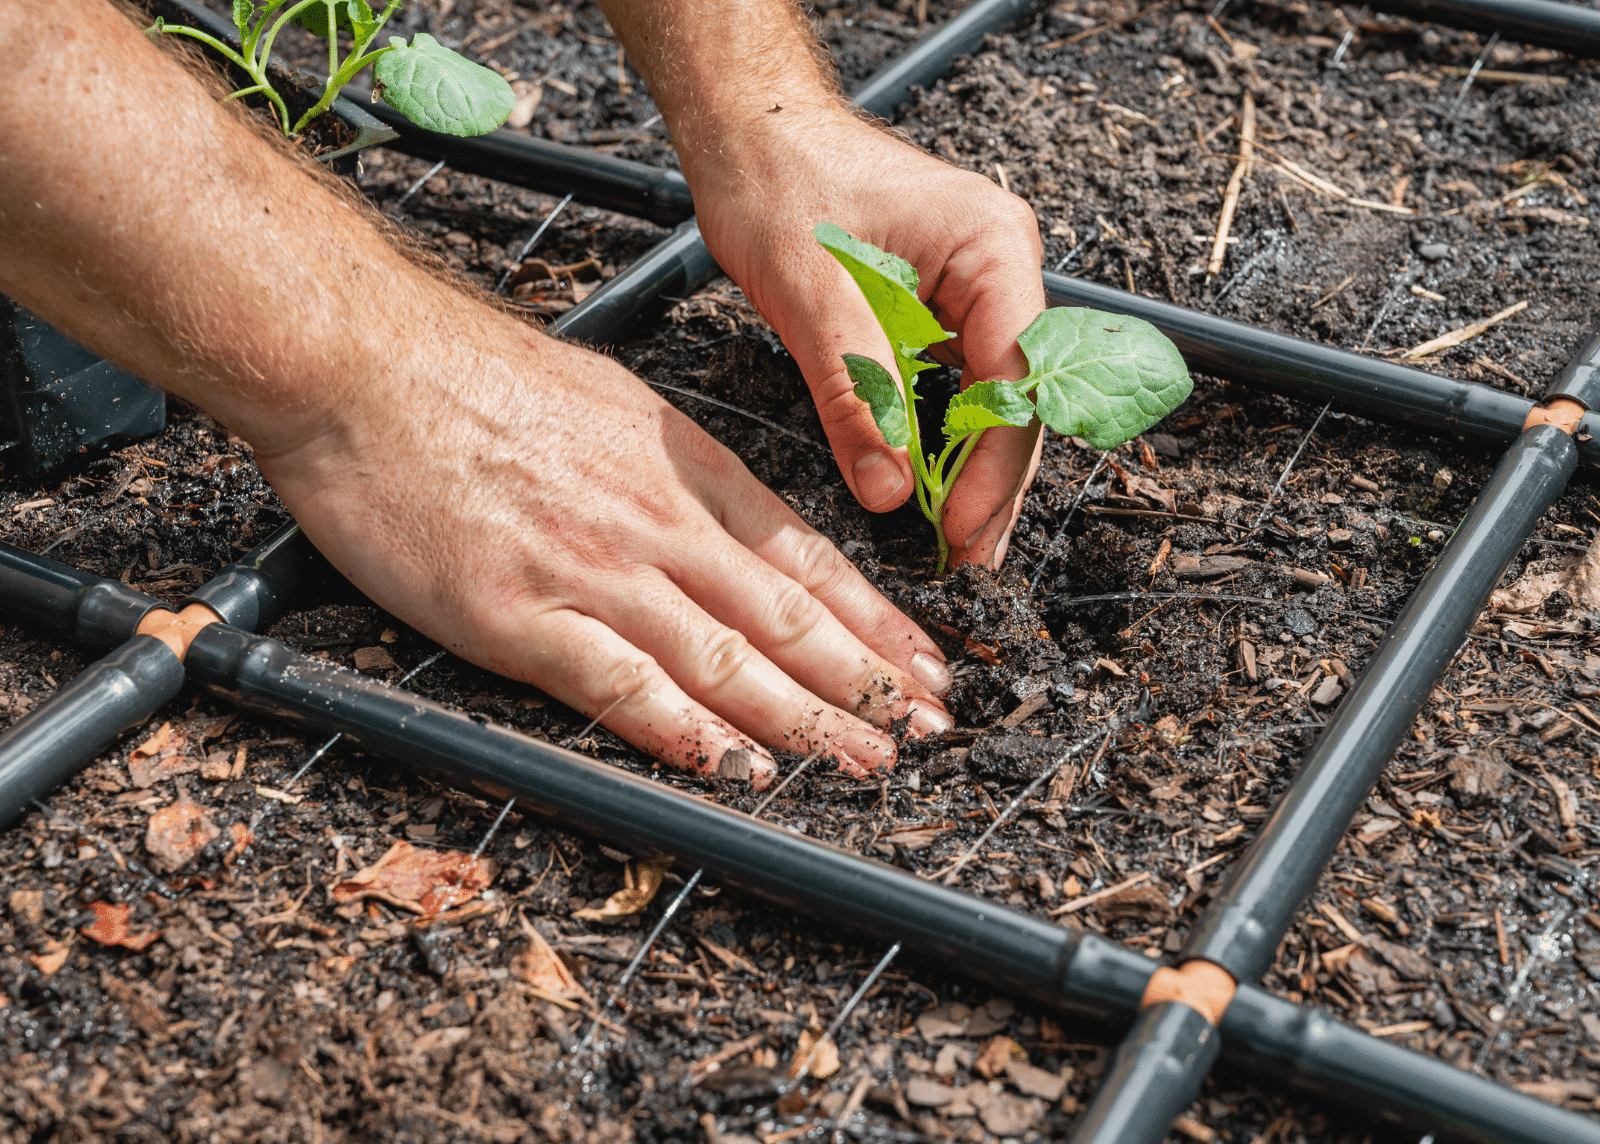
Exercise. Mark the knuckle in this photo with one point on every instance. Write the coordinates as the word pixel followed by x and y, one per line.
pixel 637 676
pixel 719 661
pixel 817 563
pixel 792 614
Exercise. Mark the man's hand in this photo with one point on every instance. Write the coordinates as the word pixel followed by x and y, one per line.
pixel 530 505
pixel 770 151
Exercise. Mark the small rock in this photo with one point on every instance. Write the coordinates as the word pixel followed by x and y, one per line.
pixel 1435 535
pixel 1145 903
pixel 1434 251
pixel 1340 538
pixel 267 1080
pixel 927 1093
pixel 941 1024
pixel 373 659
pixel 1442 479
pixel 1591 1025
pixel 735 765
pixel 1034 1081
pixel 1327 692
pixel 951 1057
pixel 1207 567
pixel 177 833
pixel 1475 779
pixel 1008 1115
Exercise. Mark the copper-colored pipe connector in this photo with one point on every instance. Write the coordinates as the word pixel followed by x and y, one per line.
pixel 1203 986
pixel 1562 412
pixel 178 629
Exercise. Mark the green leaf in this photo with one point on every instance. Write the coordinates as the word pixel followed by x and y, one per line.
pixel 1103 377
pixel 242 11
pixel 878 388
pixel 441 91
pixel 890 286
pixel 986 405
pixel 362 22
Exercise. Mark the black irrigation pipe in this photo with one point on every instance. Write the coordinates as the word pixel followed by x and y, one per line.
pixel 1165 1057
pixel 1571 28
pixel 1079 973
pixel 66 732
pixel 1382 390
pixel 681 264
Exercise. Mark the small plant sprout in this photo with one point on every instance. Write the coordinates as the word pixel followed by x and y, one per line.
pixel 1103 377
pixel 425 81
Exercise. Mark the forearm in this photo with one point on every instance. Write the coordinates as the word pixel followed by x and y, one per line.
pixel 728 75
pixel 142 218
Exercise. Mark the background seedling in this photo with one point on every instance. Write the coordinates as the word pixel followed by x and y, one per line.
pixel 425 81
pixel 1103 377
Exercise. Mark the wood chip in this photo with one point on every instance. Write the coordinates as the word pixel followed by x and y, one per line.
pixel 1087 900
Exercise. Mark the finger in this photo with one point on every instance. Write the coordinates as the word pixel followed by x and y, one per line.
pixel 821 316
pixel 794 629
pixel 717 665
pixel 988 541
pixel 774 533
pixel 587 666
pixel 990 292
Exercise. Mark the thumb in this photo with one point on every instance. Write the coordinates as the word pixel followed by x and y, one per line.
pixel 821 316
pixel 987 498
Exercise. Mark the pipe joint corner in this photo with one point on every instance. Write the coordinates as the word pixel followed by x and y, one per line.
pixel 178 629
pixel 1203 986
pixel 1561 411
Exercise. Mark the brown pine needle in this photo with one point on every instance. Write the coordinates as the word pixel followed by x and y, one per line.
pixel 1230 197
pixel 1334 293
pixel 1464 334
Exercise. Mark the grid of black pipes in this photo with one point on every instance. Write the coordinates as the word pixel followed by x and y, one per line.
pixel 1170 1047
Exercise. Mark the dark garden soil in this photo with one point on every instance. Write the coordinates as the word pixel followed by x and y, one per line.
pixel 267 1011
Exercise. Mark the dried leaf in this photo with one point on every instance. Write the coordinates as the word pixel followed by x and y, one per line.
pixel 51 957
pixel 110 927
pixel 641 880
pixel 541 967
pixel 421 881
pixel 27 906
pixel 996 1056
pixel 161 756
pixel 817 1055
pixel 177 833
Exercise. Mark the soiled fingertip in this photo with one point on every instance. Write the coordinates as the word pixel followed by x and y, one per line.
pixel 930 672
pixel 925 720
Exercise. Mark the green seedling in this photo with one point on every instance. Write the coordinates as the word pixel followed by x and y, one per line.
pixel 425 81
pixel 1103 377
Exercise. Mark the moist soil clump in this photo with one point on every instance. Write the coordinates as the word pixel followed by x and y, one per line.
pixel 1188 609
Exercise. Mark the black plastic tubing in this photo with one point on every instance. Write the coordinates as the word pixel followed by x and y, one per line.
pixel 1572 28
pixel 53 742
pixel 254 591
pixel 1168 1047
pixel 1300 369
pixel 1241 928
pixel 1083 974
pixel 73 726
pixel 681 263
pixel 91 611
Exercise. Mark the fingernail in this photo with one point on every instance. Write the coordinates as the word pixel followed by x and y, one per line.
pixel 1000 551
pixel 929 672
pixel 928 721
pixel 867 748
pixel 878 479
